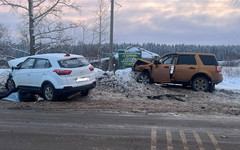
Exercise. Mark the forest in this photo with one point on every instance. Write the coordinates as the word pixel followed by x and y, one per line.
pixel 223 52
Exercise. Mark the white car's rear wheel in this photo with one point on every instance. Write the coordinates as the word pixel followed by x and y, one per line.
pixel 49 92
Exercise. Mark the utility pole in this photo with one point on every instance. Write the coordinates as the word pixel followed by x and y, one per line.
pixel 110 68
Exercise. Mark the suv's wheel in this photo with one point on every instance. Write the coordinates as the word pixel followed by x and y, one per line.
pixel 144 78
pixel 49 92
pixel 200 84
pixel 10 85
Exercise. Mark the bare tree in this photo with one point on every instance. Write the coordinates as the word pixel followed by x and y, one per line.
pixel 38 11
pixel 235 2
pixel 102 24
pixel 4 33
pixel 4 41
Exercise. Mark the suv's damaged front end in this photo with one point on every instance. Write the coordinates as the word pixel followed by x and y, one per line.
pixel 139 65
pixel 141 71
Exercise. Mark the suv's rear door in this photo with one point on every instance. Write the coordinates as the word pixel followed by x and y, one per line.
pixel 185 68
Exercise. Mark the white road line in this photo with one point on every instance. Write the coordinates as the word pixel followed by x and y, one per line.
pixel 169 140
pixel 199 141
pixel 215 142
pixel 184 140
pixel 153 139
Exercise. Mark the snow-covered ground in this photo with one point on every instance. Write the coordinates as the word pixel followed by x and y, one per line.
pixel 231 78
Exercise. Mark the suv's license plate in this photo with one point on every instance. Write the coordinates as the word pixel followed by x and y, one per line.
pixel 82 79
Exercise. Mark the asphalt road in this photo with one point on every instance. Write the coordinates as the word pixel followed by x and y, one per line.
pixel 32 130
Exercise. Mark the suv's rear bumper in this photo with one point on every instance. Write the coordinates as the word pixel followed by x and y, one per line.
pixel 218 79
pixel 72 90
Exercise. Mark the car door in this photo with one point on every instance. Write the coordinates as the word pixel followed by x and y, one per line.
pixel 185 68
pixel 40 71
pixel 161 71
pixel 22 76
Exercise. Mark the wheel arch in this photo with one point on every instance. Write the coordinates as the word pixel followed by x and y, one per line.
pixel 146 71
pixel 45 83
pixel 201 75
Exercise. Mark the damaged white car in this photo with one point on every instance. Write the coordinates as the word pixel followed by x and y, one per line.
pixel 52 75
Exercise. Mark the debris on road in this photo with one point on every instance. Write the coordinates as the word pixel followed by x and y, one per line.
pixel 170 96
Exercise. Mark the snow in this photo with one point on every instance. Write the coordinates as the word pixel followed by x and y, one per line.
pixel 231 78
pixel 230 84
pixel 124 74
pixel 98 72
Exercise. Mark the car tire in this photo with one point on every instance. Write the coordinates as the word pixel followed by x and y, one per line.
pixel 144 78
pixel 10 85
pixel 200 84
pixel 85 93
pixel 49 92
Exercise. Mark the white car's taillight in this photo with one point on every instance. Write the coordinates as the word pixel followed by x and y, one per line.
pixel 218 69
pixel 63 72
pixel 91 68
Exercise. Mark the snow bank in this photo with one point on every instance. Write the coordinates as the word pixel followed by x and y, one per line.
pixel 231 78
pixel 229 83
pixel 98 72
pixel 124 74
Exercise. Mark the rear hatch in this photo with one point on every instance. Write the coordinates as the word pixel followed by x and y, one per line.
pixel 80 71
pixel 211 64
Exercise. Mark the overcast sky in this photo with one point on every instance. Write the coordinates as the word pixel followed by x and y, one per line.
pixel 204 22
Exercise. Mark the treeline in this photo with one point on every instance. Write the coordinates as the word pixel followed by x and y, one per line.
pixel 223 52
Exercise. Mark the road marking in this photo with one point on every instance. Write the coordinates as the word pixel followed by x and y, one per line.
pixel 153 139
pixel 215 142
pixel 199 141
pixel 184 140
pixel 169 140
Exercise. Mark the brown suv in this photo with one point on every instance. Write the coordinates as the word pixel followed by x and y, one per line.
pixel 200 70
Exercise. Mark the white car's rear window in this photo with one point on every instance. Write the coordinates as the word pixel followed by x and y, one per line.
pixel 73 63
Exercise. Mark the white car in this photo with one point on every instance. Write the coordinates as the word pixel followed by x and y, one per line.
pixel 53 75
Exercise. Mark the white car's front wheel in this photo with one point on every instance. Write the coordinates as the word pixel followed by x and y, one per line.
pixel 10 85
pixel 49 92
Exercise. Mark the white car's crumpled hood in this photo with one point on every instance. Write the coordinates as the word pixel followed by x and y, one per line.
pixel 15 62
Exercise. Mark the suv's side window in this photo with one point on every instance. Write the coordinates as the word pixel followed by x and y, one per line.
pixel 28 64
pixel 209 60
pixel 186 60
pixel 168 59
pixel 42 63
